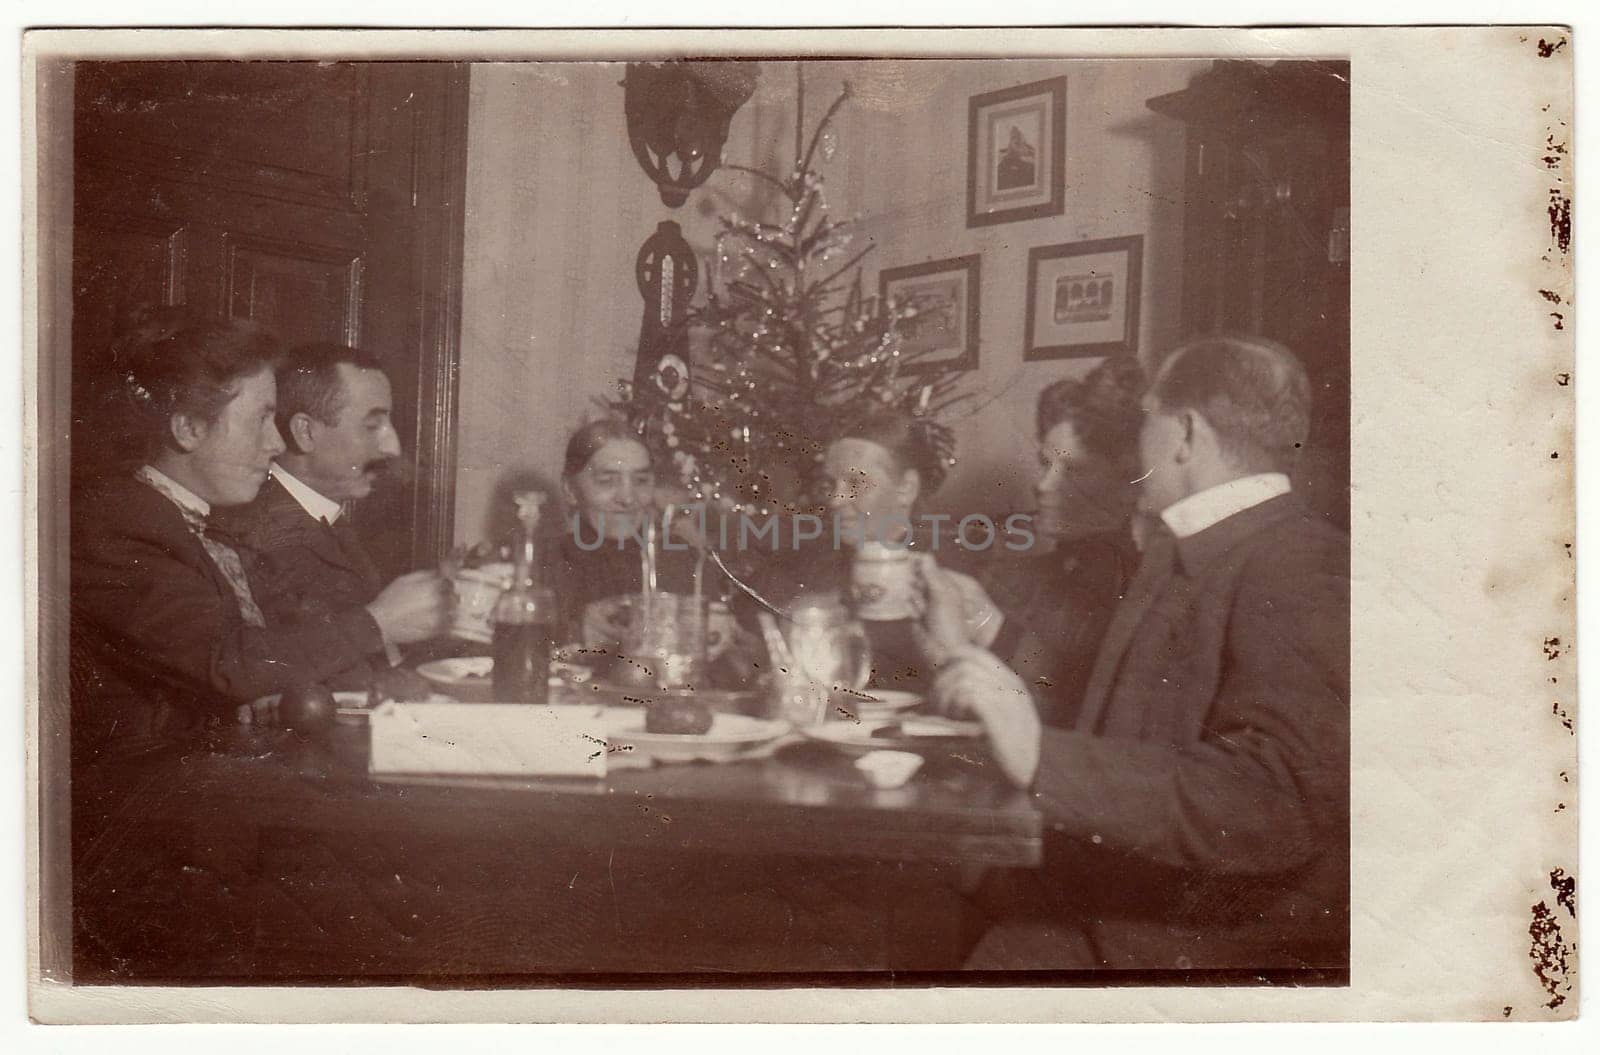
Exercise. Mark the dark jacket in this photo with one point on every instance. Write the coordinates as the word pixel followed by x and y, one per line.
pixel 1202 801
pixel 158 642
pixel 303 571
pixel 1057 607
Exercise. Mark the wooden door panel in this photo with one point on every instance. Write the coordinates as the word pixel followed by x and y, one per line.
pixel 415 216
pixel 120 263
pixel 301 292
pixel 323 199
pixel 293 131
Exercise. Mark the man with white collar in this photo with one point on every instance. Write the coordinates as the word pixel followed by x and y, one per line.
pixel 305 560
pixel 1199 809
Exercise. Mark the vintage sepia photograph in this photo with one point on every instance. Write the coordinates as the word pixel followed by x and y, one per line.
pixel 289 762
pixel 547 523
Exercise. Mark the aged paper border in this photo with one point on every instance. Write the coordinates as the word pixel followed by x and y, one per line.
pixel 1459 574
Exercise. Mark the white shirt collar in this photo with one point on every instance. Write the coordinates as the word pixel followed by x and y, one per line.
pixel 1192 515
pixel 174 492
pixel 319 506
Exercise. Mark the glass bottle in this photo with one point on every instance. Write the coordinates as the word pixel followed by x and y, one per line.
pixel 525 619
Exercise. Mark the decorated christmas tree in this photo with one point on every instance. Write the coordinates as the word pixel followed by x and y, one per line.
pixel 785 350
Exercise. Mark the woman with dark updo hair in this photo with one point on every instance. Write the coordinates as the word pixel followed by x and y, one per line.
pixel 1089 452
pixel 878 468
pixel 1058 603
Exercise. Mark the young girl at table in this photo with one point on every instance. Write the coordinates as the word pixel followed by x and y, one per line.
pixel 166 634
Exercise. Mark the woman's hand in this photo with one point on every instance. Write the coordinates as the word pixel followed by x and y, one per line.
pixel 956 614
pixel 978 684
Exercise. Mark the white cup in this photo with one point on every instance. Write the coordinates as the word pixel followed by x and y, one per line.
pixel 477 590
pixel 883 582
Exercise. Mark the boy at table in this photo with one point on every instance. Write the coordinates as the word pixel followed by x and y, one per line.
pixel 1200 804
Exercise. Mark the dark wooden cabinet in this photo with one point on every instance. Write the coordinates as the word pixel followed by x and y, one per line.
pixel 323 199
pixel 1266 237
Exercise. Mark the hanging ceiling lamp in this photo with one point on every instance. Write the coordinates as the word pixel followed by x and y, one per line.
pixel 678 116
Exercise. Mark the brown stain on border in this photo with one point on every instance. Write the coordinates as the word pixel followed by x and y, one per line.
pixel 1566 719
pixel 1560 213
pixel 1550 951
pixel 1566 888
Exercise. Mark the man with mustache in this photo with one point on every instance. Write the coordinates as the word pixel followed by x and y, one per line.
pixel 306 562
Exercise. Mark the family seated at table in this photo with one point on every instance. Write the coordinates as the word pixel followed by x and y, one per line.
pixel 1195 760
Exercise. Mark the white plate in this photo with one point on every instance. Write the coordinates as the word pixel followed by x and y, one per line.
pixel 730 736
pixel 877 703
pixel 476 673
pixel 460 672
pixel 915 734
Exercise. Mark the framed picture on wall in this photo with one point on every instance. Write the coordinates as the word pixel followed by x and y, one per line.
pixel 942 297
pixel 1016 153
pixel 1083 299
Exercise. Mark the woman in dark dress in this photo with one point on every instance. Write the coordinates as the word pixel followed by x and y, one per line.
pixel 167 639
pixel 1057 607
pixel 1058 603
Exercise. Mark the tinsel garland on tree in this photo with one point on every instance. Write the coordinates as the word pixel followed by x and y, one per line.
pixel 786 351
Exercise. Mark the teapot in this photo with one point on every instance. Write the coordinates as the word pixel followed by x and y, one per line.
pixel 826 643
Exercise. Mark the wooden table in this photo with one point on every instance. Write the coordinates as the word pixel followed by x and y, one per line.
pixel 808 801
pixel 854 875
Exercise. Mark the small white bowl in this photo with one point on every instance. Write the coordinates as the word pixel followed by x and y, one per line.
pixel 889 769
